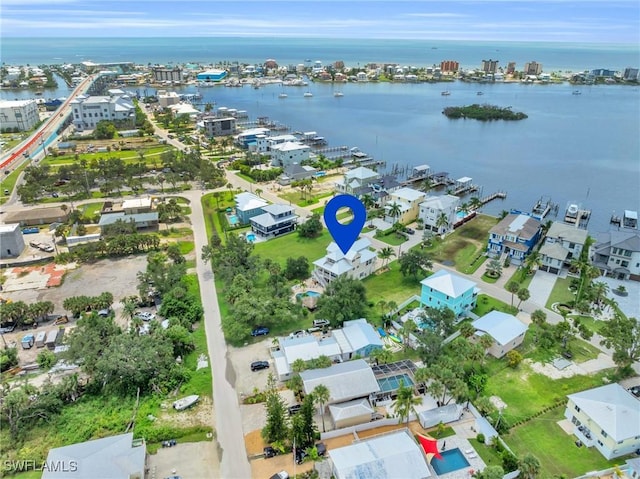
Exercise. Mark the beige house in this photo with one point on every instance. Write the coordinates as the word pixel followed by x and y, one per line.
pixel 409 201
pixel 607 417
pixel 506 330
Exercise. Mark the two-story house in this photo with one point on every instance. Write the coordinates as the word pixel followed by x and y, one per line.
pixel 438 213
pixel 288 153
pixel 506 330
pixel 515 236
pixel 359 262
pixel 248 205
pixel 562 244
pixel 607 417
pixel 444 289
pixel 617 254
pixel 275 221
pixel 358 181
pixel 408 201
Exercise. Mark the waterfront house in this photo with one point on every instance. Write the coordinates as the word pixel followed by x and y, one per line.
pixel 408 200
pixel 607 417
pixel 514 236
pixel 438 213
pixel 248 137
pixel 113 457
pixel 248 205
pixel 295 172
pixel 88 111
pixel 506 330
pixel 395 454
pixel 264 143
pixel 214 126
pixel 276 220
pixel 444 289
pixel 358 263
pixel 617 254
pixel 562 244
pixel 357 182
pixel 289 152
pixel 167 98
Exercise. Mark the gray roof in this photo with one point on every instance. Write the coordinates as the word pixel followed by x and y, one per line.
pixel 522 226
pixel 108 458
pixel 360 334
pixel 394 455
pixel 554 250
pixel 502 327
pixel 448 283
pixel 440 202
pixel 567 232
pixel 612 408
pixel 350 409
pixel 345 381
pixel 444 415
pixel 278 209
pixel 110 218
pixel 268 219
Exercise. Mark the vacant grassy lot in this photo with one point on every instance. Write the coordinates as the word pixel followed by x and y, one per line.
pixel 391 286
pixel 293 246
pixel 560 292
pixel 555 449
pixel 488 303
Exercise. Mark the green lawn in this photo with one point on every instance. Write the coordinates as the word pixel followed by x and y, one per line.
pixel 582 350
pixel 296 197
pixel 8 182
pixel 592 324
pixel 560 292
pixel 293 246
pixel 151 155
pixel 186 246
pixel 526 392
pixel 487 453
pixel 487 304
pixel 392 239
pixel 92 209
pixel 390 286
pixel 555 449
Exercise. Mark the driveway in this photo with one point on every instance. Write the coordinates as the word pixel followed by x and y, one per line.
pixel 541 286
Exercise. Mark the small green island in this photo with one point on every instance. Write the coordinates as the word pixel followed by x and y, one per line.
pixel 483 112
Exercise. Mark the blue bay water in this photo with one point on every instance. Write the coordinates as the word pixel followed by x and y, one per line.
pixel 580 148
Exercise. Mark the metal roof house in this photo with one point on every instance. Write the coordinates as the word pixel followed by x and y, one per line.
pixel 345 381
pixel 248 205
pixel 607 417
pixel 115 457
pixel 357 338
pixel 393 455
pixel 141 220
pixel 443 414
pixel 351 413
pixel 506 330
pixel 276 219
pixel 358 263
pixel 445 289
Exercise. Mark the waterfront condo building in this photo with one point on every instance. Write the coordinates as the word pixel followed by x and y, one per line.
pixel 358 263
pixel 607 417
pixel 514 236
pixel 163 75
pixel 563 243
pixel 532 68
pixel 21 115
pixel 438 213
pixel 444 289
pixel 116 107
pixel 214 126
pixel 276 220
pixel 489 66
pixel 447 66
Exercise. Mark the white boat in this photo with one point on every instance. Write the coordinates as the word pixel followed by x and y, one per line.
pixel 308 94
pixel 338 94
pixel 445 93
pixel 186 402
pixel 282 95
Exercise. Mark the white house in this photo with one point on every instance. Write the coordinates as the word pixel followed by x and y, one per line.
pixel 506 330
pixel 359 262
pixel 435 208
pixel 289 152
pixel 408 200
pixel 357 180
pixel 20 114
pixel 345 381
pixel 89 110
pixel 392 455
pixel 167 98
pixel 248 205
pixel 562 244
pixel 11 241
pixel 607 417
pixel 264 143
pixel 275 220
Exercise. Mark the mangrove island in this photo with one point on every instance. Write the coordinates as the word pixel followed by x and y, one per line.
pixel 483 112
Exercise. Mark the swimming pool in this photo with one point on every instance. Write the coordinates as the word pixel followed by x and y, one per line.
pixel 251 237
pixel 233 220
pixel 460 214
pixel 452 460
pixel 392 383
pixel 307 293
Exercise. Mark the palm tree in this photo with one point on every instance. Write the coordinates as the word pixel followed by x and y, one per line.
pixel 405 402
pixel 513 287
pixel 464 207
pixel 129 306
pixel 523 294
pixel 422 375
pixel 258 191
pixel 406 330
pixel 381 356
pixel 475 203
pixel 385 254
pixel 538 317
pixel 467 330
pixel 382 304
pixel 426 185
pixel 321 395
pixel 368 203
pixel 529 466
pixel 394 210
pixel 442 222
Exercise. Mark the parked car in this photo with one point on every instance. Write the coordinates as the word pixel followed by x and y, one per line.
pixel 299 454
pixel 145 315
pixel 410 231
pixel 295 409
pixel 280 475
pixel 258 365
pixel 260 331
pixel 269 452
pixel 104 312
pixel 319 323
pixel 321 448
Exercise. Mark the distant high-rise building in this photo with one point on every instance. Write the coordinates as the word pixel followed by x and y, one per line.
pixel 449 66
pixel 490 66
pixel 532 68
pixel 167 74
pixel 631 74
pixel 511 68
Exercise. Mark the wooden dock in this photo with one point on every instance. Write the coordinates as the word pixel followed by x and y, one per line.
pixel 493 196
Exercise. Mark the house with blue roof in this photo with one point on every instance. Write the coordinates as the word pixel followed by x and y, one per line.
pixel 248 205
pixel 506 330
pixel 514 236
pixel 444 289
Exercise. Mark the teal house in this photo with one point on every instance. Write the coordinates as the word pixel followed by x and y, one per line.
pixel 445 289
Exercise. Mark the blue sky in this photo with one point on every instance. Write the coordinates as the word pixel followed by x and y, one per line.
pixel 616 21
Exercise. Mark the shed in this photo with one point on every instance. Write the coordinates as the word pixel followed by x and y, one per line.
pixel 50 342
pixel 351 413
pixel 40 339
pixel 444 415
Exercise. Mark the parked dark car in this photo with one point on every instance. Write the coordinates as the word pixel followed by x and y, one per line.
pixel 410 231
pixel 260 331
pixel 269 452
pixel 321 448
pixel 300 455
pixel 295 409
pixel 567 354
pixel 258 365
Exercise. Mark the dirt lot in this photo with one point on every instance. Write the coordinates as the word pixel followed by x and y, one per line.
pixel 194 460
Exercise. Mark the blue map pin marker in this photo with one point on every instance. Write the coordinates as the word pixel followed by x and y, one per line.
pixel 345 235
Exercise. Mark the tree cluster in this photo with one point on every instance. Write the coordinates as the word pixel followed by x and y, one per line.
pixel 19 313
pixel 82 304
pixel 312 228
pixel 110 246
pixel 344 299
pixel 483 113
